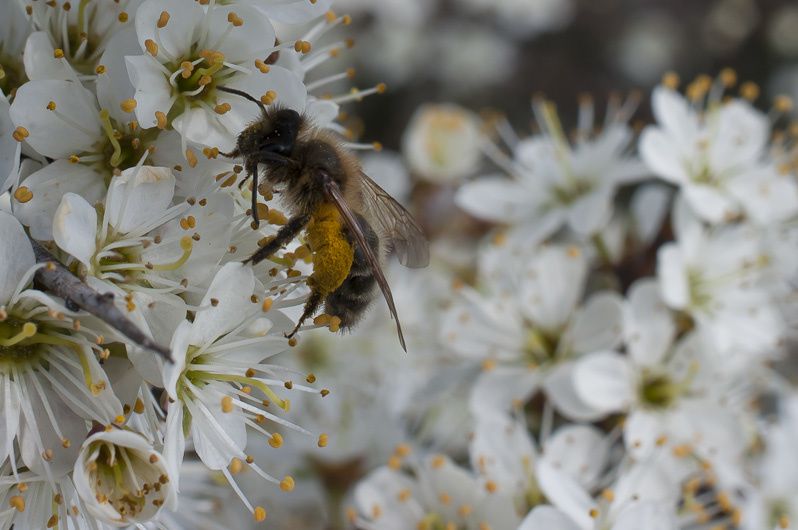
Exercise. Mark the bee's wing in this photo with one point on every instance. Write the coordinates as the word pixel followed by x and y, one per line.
pixel 334 194
pixel 395 224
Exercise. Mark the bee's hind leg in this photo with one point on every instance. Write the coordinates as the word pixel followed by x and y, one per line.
pixel 314 301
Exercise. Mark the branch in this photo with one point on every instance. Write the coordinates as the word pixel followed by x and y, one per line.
pixel 58 280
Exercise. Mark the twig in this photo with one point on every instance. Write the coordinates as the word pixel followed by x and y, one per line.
pixel 58 280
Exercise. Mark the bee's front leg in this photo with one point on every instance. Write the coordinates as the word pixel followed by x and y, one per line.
pixel 283 236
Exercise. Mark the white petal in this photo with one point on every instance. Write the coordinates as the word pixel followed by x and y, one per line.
pixel 553 285
pixel 218 436
pixel 139 196
pixel 179 348
pixel 9 423
pixel 114 85
pixel 232 289
pixel 497 199
pixel 674 114
pixel 548 518
pixel 240 44
pixel 560 389
pixel 579 450
pixel 10 149
pixel 500 448
pixel 153 91
pixel 766 196
pixel 74 125
pixel 40 61
pixel 598 325
pixel 381 488
pixel 501 390
pixel 709 203
pixel 649 206
pixel 606 381
pixel 48 185
pixel 566 494
pixel 75 227
pixel 294 12
pixel 204 127
pixel 648 515
pixel 16 255
pixel 672 276
pixel 175 39
pixel 740 135
pixel 641 431
pixel 662 154
pixel 648 326
pixel 590 213
pixel 174 444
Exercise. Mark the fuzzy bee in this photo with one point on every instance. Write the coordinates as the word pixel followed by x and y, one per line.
pixel 348 219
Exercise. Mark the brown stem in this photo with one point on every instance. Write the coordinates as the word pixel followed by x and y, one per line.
pixel 58 280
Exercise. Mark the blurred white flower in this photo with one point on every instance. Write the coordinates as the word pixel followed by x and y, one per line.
pixel 442 143
pixel 717 153
pixel 553 183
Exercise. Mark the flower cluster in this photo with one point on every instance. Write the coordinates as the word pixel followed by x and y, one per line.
pixel 611 354
pixel 111 126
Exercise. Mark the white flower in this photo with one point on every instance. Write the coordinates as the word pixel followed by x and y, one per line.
pixel 724 280
pixel 188 51
pixel 642 497
pixel 670 393
pixel 14 30
pixel 442 143
pixel 438 495
pixel 121 478
pixel 218 380
pixel 504 453
pixel 50 379
pixel 718 156
pixel 528 337
pixel 554 183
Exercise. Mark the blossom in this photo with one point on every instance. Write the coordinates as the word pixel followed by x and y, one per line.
pixel 553 183
pixel 717 153
pixel 441 143
pixel 121 478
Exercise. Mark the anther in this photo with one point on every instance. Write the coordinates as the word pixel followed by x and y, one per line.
pixel 236 466
pixel 259 514
pixel 324 392
pixel 234 19
pixel 128 105
pixel 262 66
pixel 58 53
pixel 269 97
pixel 20 133
pixel 151 46
pixel 287 484
pixel 163 20
pixel 123 17
pixel 160 119
pixel 222 108
pixel 276 440
pixel 227 404
pixel 310 378
pixel 17 502
pixel 323 440
pixel 23 194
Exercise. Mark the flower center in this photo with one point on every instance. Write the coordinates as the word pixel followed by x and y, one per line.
pixel 540 347
pixel 125 481
pixel 12 74
pixel 125 146
pixel 658 391
pixel 572 190
pixel 18 344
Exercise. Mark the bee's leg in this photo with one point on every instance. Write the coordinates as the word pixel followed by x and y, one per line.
pixel 252 171
pixel 283 236
pixel 235 153
pixel 312 304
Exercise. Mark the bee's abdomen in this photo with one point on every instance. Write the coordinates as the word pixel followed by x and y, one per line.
pixel 351 299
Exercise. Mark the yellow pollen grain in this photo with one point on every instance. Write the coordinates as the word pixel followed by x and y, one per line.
pixel 23 194
pixel 160 119
pixel 276 217
pixel 310 378
pixel 266 305
pixel 227 404
pixel 782 103
pixel 20 133
pixel 119 419
pixel 163 20
pixel 330 16
pixel 222 108
pixel 235 20
pixel 151 46
pixel 287 484
pixel 191 157
pixel 394 462
pixel 324 392
pixel 128 105
pixel 58 53
pixel 491 486
pixel 593 513
pixel 123 17
pixel 324 438
pixel 236 466
pixel 51 105
pixel 269 97
pixel 263 67
pixel 749 90
pixel 17 502
pixel 74 159
pixel 276 440
pixel 259 514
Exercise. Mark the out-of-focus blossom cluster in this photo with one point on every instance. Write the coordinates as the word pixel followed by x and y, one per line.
pixel 612 353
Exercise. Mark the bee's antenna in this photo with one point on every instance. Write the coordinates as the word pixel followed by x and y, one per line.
pixel 243 95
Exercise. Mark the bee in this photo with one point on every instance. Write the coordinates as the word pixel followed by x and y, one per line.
pixel 348 219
